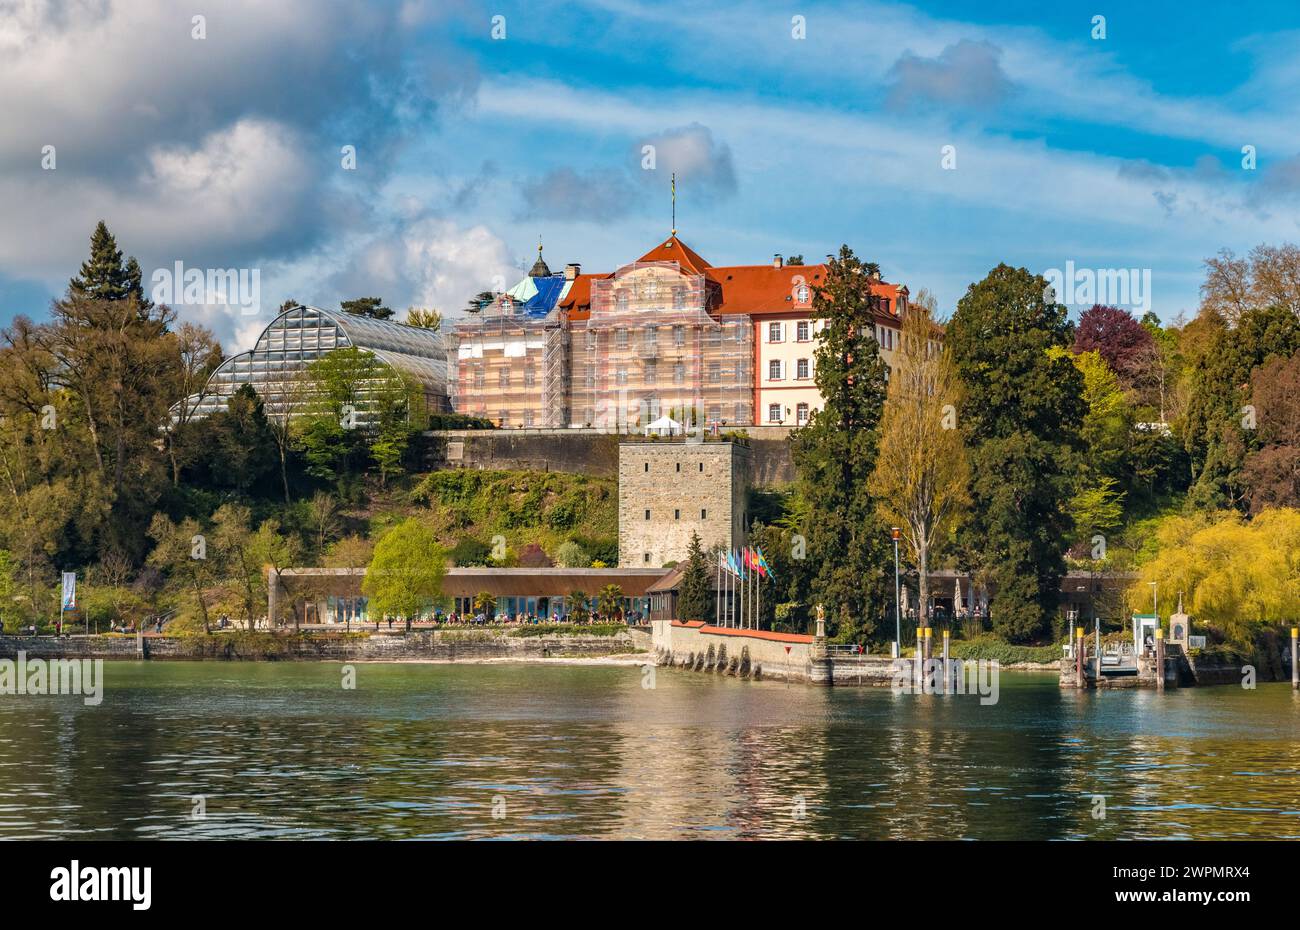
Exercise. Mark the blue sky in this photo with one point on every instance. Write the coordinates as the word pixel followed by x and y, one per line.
pixel 224 151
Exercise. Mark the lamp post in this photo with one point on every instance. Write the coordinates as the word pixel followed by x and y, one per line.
pixel 898 623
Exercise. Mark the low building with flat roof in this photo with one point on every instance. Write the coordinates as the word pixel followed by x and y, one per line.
pixel 333 595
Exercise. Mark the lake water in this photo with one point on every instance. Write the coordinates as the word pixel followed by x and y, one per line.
pixel 438 751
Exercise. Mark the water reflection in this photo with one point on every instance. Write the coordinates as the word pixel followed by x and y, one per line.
pixel 279 750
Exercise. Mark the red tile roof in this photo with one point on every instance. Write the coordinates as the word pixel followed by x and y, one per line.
pixel 673 249
pixel 756 290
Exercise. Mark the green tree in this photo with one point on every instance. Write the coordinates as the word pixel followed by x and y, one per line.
pixel 695 600
pixel 1218 426
pixel 103 276
pixel 406 571
pixel 240 565
pixel 11 613
pixel 424 318
pixel 835 453
pixel 571 555
pixel 372 307
pixel 1021 420
pixel 578 602
pixel 610 601
pixel 182 551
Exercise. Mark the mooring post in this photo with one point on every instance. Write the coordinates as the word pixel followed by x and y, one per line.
pixel 920 660
pixel 945 661
pixel 1096 671
pixel 1078 657
pixel 1160 659
pixel 1295 668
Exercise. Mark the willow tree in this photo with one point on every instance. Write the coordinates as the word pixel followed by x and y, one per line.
pixel 1237 576
pixel 921 476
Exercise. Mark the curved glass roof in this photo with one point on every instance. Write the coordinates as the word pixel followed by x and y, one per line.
pixel 298 337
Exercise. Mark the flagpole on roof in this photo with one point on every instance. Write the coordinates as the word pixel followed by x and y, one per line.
pixel 674 203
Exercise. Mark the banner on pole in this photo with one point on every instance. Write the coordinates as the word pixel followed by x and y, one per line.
pixel 69 590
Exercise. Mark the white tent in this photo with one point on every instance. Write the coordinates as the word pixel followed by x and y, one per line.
pixel 664 426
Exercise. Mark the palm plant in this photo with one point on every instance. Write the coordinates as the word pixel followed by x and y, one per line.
pixel 611 601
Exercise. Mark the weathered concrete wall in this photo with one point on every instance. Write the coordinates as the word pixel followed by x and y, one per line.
pixel 584 452
pixel 439 645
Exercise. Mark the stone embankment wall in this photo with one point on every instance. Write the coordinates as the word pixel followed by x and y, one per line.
pixel 436 645
pixel 742 653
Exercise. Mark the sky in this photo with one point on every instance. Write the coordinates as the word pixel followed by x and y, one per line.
pixel 936 139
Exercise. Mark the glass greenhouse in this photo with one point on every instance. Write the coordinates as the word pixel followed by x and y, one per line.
pixel 297 337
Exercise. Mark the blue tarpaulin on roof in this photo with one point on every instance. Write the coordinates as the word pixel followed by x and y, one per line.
pixel 548 293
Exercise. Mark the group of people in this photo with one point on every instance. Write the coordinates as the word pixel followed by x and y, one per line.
pixel 507 619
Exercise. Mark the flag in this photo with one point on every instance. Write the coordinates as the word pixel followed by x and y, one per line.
pixel 762 564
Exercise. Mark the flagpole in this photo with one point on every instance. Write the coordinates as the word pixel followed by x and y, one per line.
pixel 717 593
pixel 743 591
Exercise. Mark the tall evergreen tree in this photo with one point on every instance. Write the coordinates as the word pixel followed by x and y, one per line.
pixel 103 276
pixel 695 598
pixel 835 453
pixel 1021 420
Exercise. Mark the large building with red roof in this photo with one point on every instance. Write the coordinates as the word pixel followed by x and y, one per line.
pixel 667 335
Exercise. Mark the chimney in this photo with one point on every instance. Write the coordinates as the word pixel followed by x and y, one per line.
pixel 572 270
pixel 875 276
pixel 777 260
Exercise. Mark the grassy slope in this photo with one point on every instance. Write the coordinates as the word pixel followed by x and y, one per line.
pixel 525 507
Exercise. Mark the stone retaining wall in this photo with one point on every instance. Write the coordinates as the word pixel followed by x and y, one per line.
pixel 439 645
pixel 742 653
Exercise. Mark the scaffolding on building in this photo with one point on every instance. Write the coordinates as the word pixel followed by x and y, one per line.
pixel 510 365
pixel 650 348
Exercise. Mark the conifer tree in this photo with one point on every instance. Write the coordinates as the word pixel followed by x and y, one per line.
pixel 695 598
pixel 835 454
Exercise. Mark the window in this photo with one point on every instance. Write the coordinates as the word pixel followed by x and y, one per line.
pixel 647 466
pixel 774 413
pixel 651 337
pixel 677 514
pixel 802 293
pixel 704 515
pixel 647 515
pixel 715 372
pixel 679 336
pixel 679 466
pixel 774 370
pixel 801 331
pixel 701 466
pixel 620 338
pixel 620 376
pixel 503 378
pixel 530 377
pixel 528 418
pixel 645 557
pixel 651 370
pixel 774 332
pixel 801 414
pixel 801 368
pixel 679 374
